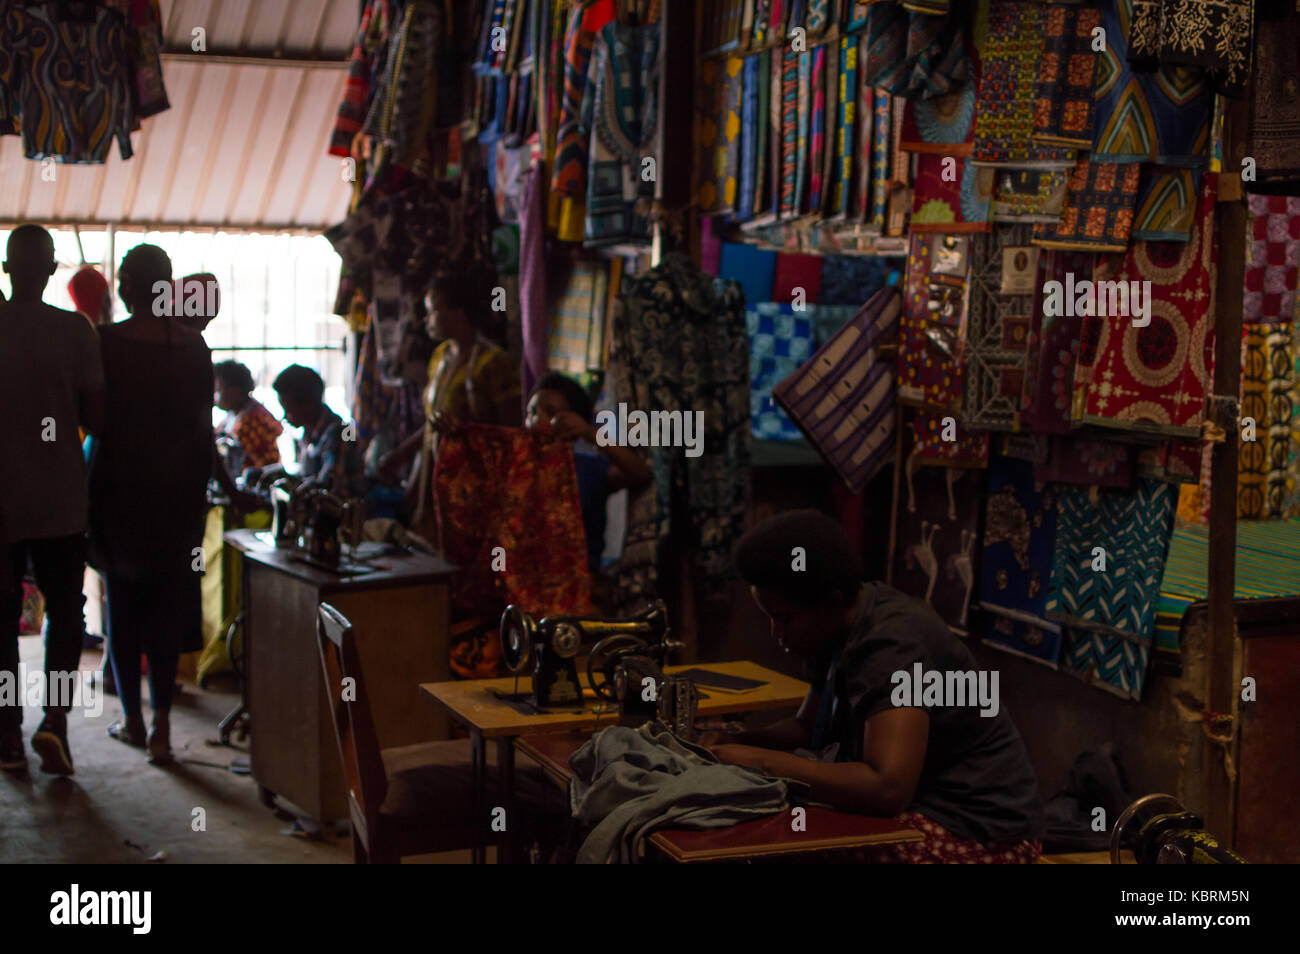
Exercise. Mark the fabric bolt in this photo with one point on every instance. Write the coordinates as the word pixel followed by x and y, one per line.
pixel 843 398
pixel 1029 195
pixel 932 442
pixel 915 54
pixel 532 277
pixel 749 149
pixel 1005 106
pixel 629 782
pixel 1063 95
pixel 1016 561
pixel 65 86
pixel 1166 204
pixel 1098 211
pixel 1159 117
pixel 817 129
pixel 853 279
pixel 797 278
pixel 577 285
pixel 768 94
pixel 845 143
pixel 880 170
pixel 780 340
pixel 943 125
pixel 753 267
pixel 1052 351
pixel 679 343
pixel 1281 409
pixel 1273 137
pixel 997 337
pixel 572 147
pixel 951 199
pixel 1272 257
pixel 144 49
pixel 516 489
pixel 860 200
pixel 1110 614
pixel 1154 378
pixel 1210 35
pixel 1088 462
pixel 803 106
pixel 1267 376
pixel 621 108
pixel 402 109
pixel 929 374
pixel 936 519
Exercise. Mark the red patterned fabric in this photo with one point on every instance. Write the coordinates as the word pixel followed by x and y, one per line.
pixel 929 372
pixel 942 847
pixel 1272 259
pixel 1154 378
pixel 516 489
pixel 256 429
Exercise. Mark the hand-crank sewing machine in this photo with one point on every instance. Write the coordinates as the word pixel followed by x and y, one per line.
pixel 1160 831
pixel 314 521
pixel 624 663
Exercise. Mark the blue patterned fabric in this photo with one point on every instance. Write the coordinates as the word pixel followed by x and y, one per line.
pixel 749 127
pixel 753 267
pixel 780 339
pixel 1110 614
pixel 853 279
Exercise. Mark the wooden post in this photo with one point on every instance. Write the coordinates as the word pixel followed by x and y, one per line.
pixel 1220 690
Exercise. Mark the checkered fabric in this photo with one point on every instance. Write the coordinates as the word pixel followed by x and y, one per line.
pixel 1272 258
pixel 780 339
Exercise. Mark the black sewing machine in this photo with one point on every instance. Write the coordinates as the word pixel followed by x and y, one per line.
pixel 645 693
pixel 1159 830
pixel 315 523
pixel 554 643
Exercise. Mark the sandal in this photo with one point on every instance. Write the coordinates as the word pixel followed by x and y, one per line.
pixel 125 732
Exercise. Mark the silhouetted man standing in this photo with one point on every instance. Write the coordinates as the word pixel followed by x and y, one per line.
pixel 51 384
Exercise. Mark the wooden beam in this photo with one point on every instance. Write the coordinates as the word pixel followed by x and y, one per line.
pixel 1221 643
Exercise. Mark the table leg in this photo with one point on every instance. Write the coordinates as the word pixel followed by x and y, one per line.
pixel 506 773
pixel 478 854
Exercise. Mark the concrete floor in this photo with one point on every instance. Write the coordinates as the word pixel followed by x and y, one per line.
pixel 118 808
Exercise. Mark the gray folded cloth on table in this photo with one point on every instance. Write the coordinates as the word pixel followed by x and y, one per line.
pixel 631 782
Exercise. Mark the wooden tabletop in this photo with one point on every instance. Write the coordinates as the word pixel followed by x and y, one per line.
pixel 391 569
pixel 471 702
pixel 824 831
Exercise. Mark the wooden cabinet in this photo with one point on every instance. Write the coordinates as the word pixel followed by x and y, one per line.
pixel 400 615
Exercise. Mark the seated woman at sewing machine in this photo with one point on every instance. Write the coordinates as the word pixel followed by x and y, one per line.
pixel 559 404
pixel 247 420
pixel 327 456
pixel 871 741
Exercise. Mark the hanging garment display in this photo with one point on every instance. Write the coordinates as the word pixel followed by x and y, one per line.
pixel 1159 117
pixel 1273 139
pixel 577 313
pixel 1214 37
pixel 1272 257
pixel 1166 204
pixel 951 195
pixel 1098 211
pixel 997 336
pixel 843 398
pixel 915 54
pixel 406 94
pixel 1004 106
pixel 936 518
pixel 1016 562
pixel 622 111
pixel 517 490
pixel 679 344
pixel 780 340
pixel 586 20
pixel 1063 95
pixel 1152 377
pixel 1106 573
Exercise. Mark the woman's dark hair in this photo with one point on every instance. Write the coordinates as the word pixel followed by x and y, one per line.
pixel 767 557
pixel 456 291
pixel 234 374
pixel 575 395
pixel 300 385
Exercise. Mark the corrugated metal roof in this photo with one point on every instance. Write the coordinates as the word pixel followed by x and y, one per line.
pixel 243 145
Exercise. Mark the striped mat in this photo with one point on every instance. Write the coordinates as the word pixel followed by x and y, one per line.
pixel 1268 564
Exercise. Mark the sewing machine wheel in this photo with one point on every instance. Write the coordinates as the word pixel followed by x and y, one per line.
pixel 518 630
pixel 567 640
pixel 603 662
pixel 1130 823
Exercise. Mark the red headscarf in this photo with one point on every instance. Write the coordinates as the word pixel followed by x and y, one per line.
pixel 88 288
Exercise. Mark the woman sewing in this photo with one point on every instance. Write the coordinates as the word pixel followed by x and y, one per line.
pixel 470 380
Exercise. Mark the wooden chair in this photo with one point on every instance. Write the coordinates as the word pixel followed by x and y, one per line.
pixel 388 789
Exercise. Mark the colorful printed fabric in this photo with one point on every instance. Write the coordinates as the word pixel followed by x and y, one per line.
pixel 1166 204
pixel 940 846
pixel 1210 35
pixel 1098 212
pixel 1016 564
pixel 997 337
pixel 1030 195
pixel 780 340
pixel 1272 258
pixel 915 54
pixel 1005 102
pixel 718 133
pixel 679 343
pixel 1273 140
pixel 578 288
pixel 845 154
pixel 356 89
pixel 861 200
pixel 1088 461
pixel 789 132
pixel 753 267
pixel 572 142
pixel 804 96
pixel 951 199
pixel 1063 97
pixel 516 489
pixel 843 398
pixel 533 318
pixel 929 374
pixel 767 92
pixel 817 130
pixel 853 279
pixel 880 158
pixel 1267 380
pixel 1110 613
pixel 943 125
pixel 1281 409
pixel 749 130
pixel 621 109
pixel 1052 351
pixel 1159 117
pixel 1154 378
pixel 65 86
pixel 933 443
pixel 935 531
pixel 256 429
